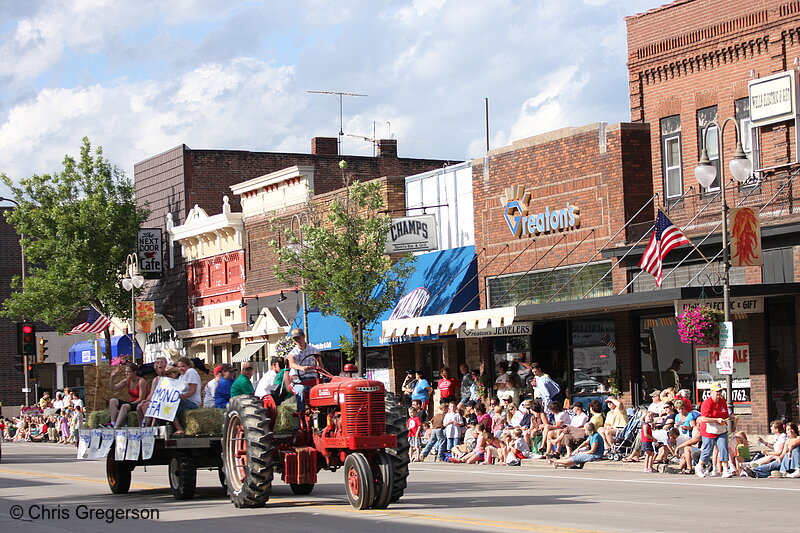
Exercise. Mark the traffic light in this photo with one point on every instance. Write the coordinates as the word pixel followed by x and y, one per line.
pixel 31 373
pixel 26 339
pixel 42 349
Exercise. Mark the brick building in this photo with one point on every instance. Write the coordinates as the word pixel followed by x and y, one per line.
pixel 178 179
pixel 11 379
pixel 690 64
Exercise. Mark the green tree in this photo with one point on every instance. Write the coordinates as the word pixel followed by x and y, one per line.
pixel 339 261
pixel 77 227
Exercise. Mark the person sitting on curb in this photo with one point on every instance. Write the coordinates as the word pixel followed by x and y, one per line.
pixel 775 450
pixel 616 420
pixel 591 450
pixel 788 462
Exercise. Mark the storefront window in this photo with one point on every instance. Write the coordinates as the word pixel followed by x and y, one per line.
pixel 661 352
pixel 513 350
pixel 594 359
pixel 378 365
pixel 782 362
pixel 561 284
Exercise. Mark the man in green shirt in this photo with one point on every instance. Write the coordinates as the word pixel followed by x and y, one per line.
pixel 243 385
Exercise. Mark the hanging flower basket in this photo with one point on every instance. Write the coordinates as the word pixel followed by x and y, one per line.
pixel 700 325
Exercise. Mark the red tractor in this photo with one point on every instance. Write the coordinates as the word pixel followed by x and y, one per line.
pixel 349 423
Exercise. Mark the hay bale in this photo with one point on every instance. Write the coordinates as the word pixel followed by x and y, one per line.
pixel 204 421
pixel 97 419
pixel 285 421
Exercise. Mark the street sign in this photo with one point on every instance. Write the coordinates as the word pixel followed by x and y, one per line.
pixel 726 336
pixel 26 389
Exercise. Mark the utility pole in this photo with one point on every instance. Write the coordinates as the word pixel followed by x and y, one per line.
pixel 341 112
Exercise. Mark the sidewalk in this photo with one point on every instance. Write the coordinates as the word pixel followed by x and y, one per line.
pixel 602 465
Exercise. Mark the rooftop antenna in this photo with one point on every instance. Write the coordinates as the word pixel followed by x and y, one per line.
pixel 341 117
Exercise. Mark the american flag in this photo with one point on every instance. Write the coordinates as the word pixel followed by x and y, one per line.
pixel 606 339
pixel 95 323
pixel 665 237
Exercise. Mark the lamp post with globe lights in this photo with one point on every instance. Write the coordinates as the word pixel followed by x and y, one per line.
pixel 133 280
pixel 741 168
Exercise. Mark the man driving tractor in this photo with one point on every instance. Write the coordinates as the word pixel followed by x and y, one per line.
pixel 302 360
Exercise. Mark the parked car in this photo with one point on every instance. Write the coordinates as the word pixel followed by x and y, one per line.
pixel 583 382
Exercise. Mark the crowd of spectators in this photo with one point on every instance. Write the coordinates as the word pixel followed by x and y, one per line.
pixel 670 431
pixel 50 420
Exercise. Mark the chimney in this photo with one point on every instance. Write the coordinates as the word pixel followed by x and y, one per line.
pixel 324 146
pixel 387 147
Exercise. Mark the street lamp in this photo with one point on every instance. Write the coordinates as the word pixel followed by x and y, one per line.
pixel 132 281
pixel 705 172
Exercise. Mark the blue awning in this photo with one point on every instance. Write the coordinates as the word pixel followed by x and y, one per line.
pixel 82 353
pixel 443 282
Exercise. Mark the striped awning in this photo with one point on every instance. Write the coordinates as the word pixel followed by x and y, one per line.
pixel 448 324
pixel 246 353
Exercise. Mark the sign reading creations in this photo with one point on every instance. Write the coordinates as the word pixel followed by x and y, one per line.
pixel 518 328
pixel 148 248
pixel 412 234
pixel 522 222
pixel 772 99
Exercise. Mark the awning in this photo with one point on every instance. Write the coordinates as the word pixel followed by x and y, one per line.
pixel 449 324
pixel 270 321
pixel 443 283
pixel 82 353
pixel 247 352
pixel 212 331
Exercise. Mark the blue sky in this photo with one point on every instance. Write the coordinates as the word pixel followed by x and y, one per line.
pixel 141 77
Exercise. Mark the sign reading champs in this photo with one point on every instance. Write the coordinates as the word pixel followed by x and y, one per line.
pixel 522 222
pixel 412 234
pixel 773 98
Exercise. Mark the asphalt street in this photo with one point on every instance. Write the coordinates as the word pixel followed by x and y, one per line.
pixel 43 488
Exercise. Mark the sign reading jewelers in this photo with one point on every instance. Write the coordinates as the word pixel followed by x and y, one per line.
pixel 412 234
pixel 522 222
pixel 773 98
pixel 518 328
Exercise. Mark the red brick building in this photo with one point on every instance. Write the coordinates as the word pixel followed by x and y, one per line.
pixel 690 64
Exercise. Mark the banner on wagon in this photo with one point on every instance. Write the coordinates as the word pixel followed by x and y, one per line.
pixel 709 371
pixel 165 400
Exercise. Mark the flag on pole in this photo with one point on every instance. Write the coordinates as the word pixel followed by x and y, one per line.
pixel 95 323
pixel 664 238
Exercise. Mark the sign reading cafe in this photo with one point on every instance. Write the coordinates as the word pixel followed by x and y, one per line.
pixel 148 248
pixel 522 222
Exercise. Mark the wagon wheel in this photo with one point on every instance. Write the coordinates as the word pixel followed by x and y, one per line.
pixel 118 474
pixel 182 476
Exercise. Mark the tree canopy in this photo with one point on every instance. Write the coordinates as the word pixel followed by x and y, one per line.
pixel 338 258
pixel 77 227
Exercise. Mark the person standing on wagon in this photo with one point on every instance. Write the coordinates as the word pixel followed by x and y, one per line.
pixel 302 359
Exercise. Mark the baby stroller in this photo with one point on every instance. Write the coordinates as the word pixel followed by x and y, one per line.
pixel 625 439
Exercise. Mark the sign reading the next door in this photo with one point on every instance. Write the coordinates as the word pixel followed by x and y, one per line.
pixel 772 99
pixel 523 223
pixel 148 249
pixel 412 234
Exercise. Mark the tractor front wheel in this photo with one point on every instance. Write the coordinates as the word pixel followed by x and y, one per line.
pixel 383 474
pixel 358 481
pixel 249 452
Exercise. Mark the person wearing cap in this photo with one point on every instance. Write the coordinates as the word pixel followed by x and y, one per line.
pixel 713 421
pixel 302 360
pixel 670 376
pixel 655 402
pixel 244 384
pixel 211 387
pixel 223 393
pixel 616 420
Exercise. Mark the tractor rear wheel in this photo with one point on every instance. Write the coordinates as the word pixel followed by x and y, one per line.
pixel 396 425
pixel 249 452
pixel 383 474
pixel 182 476
pixel 301 489
pixel 118 474
pixel 358 481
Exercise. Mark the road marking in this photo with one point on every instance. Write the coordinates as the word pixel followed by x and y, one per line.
pixel 611 480
pixel 345 507
pixel 72 478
